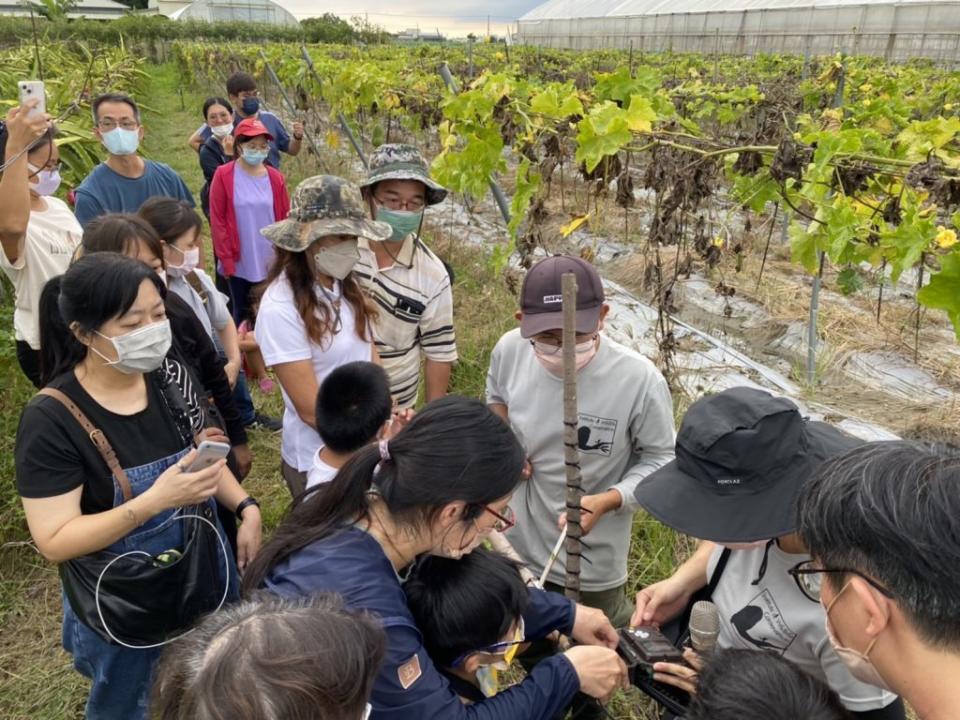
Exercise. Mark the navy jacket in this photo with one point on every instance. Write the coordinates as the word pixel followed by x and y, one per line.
pixel 409 686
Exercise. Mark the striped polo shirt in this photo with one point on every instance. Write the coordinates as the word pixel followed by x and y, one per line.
pixel 415 301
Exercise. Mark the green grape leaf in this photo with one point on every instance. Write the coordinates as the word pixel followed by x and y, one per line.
pixel 849 281
pixel 943 290
pixel 604 131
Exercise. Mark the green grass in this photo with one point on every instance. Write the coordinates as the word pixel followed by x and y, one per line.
pixel 36 677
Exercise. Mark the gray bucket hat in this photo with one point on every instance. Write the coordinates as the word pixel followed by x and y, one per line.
pixel 324 205
pixel 403 162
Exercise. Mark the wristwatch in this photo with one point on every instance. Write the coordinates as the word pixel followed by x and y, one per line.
pixel 244 504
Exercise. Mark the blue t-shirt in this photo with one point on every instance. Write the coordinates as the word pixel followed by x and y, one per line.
pixel 279 144
pixel 106 191
pixel 408 685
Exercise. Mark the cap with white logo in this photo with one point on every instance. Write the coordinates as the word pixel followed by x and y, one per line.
pixel 541 299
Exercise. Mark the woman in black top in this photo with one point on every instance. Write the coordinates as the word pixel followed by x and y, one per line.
pixel 218 148
pixel 106 319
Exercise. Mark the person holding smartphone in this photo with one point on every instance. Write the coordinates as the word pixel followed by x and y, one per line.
pixel 104 324
pixel 38 232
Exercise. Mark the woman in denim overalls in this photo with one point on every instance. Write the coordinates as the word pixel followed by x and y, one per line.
pixel 110 360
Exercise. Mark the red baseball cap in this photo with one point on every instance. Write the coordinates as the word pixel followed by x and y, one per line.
pixel 541 299
pixel 251 127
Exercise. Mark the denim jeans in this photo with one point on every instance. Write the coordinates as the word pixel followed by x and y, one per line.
pixel 121 676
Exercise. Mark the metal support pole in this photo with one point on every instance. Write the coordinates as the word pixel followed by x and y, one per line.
pixel 818 278
pixel 344 125
pixel 290 106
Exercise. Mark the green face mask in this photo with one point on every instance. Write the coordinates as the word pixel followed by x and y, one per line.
pixel 403 222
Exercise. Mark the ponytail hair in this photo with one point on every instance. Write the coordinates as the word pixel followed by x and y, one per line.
pixel 95 289
pixel 455 449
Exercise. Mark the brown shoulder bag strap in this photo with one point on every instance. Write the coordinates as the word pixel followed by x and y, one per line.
pixel 194 281
pixel 96 437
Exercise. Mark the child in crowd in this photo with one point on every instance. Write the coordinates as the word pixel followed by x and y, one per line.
pixel 253 364
pixel 353 409
pixel 470 612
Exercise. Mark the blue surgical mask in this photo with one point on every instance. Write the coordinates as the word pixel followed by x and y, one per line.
pixel 403 222
pixel 255 157
pixel 250 106
pixel 121 142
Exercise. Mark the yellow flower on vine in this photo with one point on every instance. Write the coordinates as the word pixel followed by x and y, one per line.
pixel 718 242
pixel 946 238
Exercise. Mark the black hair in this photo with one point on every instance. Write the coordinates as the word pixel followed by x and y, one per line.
pixel 216 100
pixel 740 684
pixel 117 98
pixel 239 142
pixel 170 218
pixel 889 510
pixel 464 605
pixel 269 658
pixel 95 289
pixel 44 141
pixel 353 403
pixel 240 82
pixel 455 449
pixel 120 233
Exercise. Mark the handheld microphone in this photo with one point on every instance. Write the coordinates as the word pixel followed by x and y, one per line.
pixel 704 626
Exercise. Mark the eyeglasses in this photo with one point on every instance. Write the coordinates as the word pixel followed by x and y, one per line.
pixel 504 522
pixel 507 648
pixel 807 576
pixel 548 348
pixel 126 124
pixel 394 203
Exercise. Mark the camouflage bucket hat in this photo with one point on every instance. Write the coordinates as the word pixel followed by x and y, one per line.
pixel 403 162
pixel 324 205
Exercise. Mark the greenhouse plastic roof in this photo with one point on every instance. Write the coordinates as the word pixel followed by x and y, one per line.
pixel 573 9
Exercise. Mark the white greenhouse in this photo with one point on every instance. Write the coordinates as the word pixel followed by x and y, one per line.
pixel 259 11
pixel 896 30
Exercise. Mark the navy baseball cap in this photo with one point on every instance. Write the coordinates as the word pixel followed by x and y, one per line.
pixel 541 298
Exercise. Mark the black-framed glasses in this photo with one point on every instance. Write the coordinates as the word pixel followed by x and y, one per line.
pixel 505 521
pixel 808 578
pixel 394 203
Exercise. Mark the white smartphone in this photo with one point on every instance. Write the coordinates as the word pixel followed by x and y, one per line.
pixel 30 89
pixel 207 454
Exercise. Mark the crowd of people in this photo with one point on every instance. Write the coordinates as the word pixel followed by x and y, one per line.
pixel 832 562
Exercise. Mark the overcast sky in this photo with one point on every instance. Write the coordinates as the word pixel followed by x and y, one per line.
pixel 452 18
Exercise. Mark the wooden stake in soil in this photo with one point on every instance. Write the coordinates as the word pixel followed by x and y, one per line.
pixel 571 453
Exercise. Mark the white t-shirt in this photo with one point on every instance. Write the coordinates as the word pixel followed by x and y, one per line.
pixel 775 615
pixel 51 239
pixel 213 314
pixel 321 472
pixel 282 337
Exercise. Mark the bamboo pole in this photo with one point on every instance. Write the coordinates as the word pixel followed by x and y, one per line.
pixel 571 453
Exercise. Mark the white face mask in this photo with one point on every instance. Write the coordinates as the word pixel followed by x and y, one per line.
pixel 221 131
pixel 48 181
pixel 337 261
pixel 191 258
pixel 858 663
pixel 139 351
pixel 551 357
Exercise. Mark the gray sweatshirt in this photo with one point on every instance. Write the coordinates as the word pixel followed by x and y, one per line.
pixel 625 432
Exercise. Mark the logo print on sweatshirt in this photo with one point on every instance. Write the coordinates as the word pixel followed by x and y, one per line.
pixel 760 623
pixel 595 435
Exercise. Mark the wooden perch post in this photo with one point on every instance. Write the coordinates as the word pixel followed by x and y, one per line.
pixel 571 453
